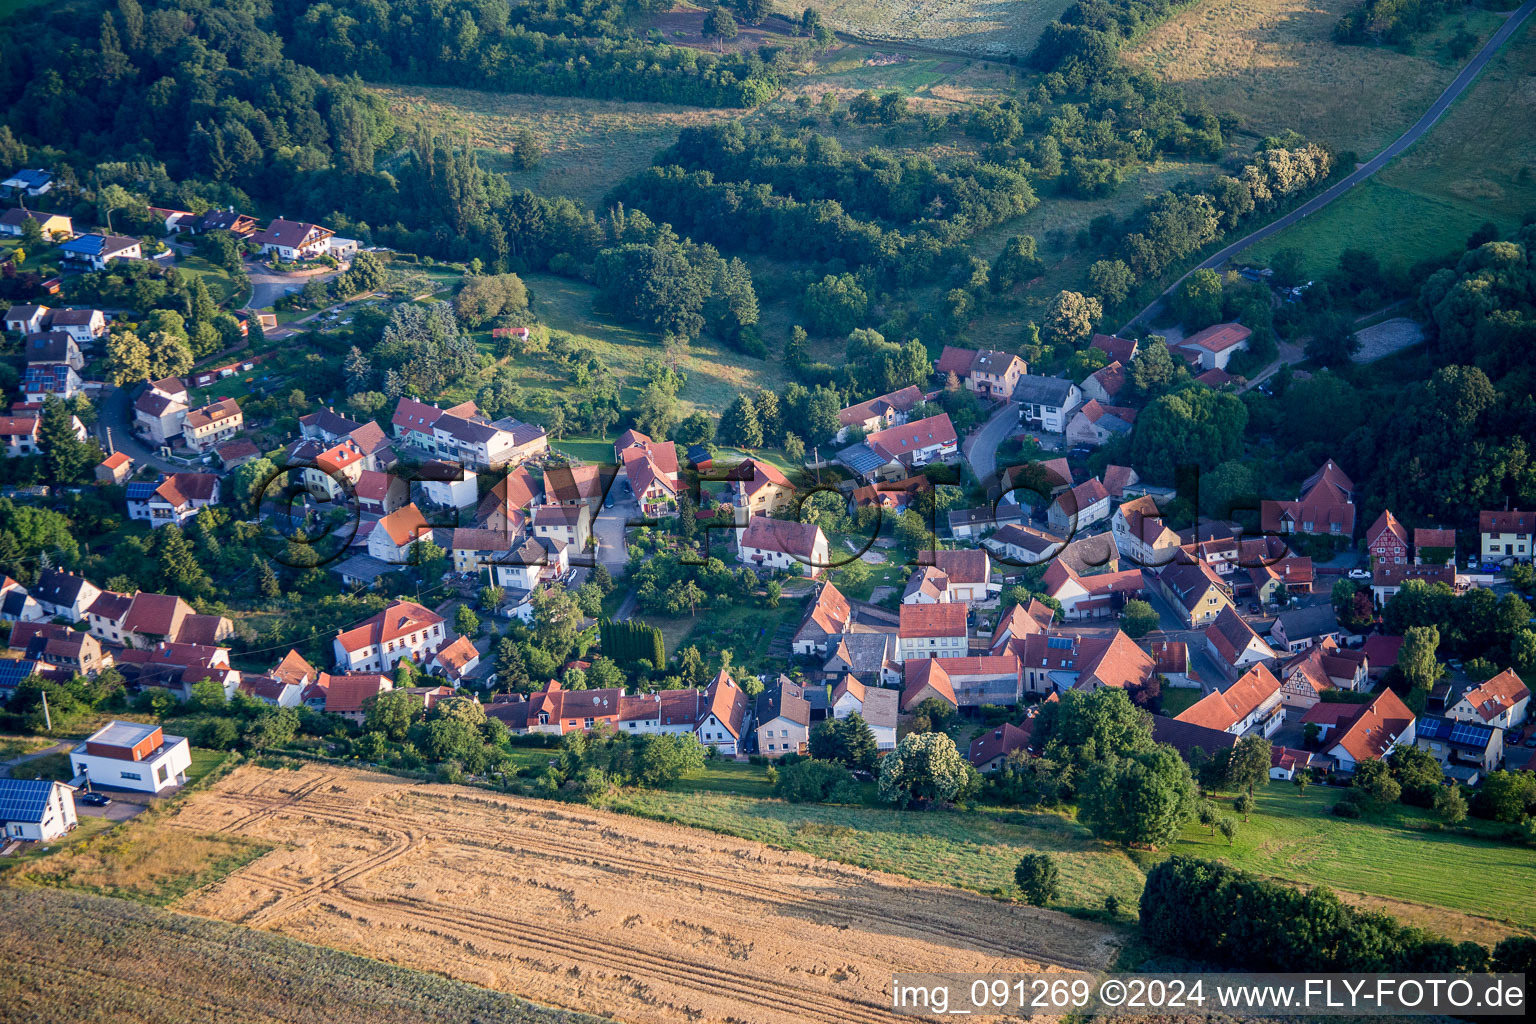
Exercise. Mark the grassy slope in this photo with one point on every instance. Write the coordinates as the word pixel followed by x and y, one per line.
pixel 1274 63
pixel 1477 164
pixel 964 26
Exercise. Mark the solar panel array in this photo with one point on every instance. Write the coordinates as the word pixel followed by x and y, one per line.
pixel 14 670
pixel 1471 735
pixel 141 490
pixel 24 799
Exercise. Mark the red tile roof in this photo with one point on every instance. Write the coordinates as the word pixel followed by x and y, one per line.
pixel 1376 728
pixel 933 620
pixel 1223 710
pixel 1496 696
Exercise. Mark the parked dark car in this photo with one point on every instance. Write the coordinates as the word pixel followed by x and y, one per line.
pixel 96 799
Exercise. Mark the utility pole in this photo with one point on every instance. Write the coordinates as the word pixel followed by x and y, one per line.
pixel 47 718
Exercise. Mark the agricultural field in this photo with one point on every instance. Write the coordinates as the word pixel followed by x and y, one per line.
pixel 1477 164
pixel 218 972
pixel 1274 63
pixel 591 910
pixel 994 29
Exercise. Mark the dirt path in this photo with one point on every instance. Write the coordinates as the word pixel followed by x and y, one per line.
pixel 601 912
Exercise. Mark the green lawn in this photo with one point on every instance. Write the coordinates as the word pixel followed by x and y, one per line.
pixel 1477 164
pixel 976 850
pixel 1178 699
pixel 216 278
pixel 587 449
pixel 1395 855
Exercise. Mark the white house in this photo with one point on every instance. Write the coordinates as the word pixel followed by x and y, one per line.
pixel 65 595
pixel 173 499
pixel 1250 705
pixel 1141 535
pixel 933 631
pixel 392 537
pixel 160 413
pixel 1048 401
pixel 723 716
pixel 96 251
pixel 1076 510
pixel 293 240
pixel 1374 731
pixel 780 544
pixel 876 705
pixel 1507 534
pixel 1215 346
pixel 130 755
pixel 1234 643
pixel 36 809
pixel 1085 597
pixel 403 630
pixel 1502 701
pixel 783 720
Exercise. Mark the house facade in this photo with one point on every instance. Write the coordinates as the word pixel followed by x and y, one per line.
pixel 128 755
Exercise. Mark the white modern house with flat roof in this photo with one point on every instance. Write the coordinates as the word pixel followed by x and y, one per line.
pixel 131 755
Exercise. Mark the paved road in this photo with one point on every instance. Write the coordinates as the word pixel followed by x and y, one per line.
pixel 115 412
pixel 6 767
pixel 1423 124
pixel 267 287
pixel 608 529
pixel 980 449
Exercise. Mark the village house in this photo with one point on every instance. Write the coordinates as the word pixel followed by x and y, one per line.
pixel 932 631
pixel 1055 662
pixel 18 432
pixel 173 499
pixel 293 240
pixel 1285 762
pixel 830 618
pixel 1502 702
pixel 1321 667
pixel 989 751
pixel 1387 540
pixel 1214 347
pixel 1296 629
pixel 1387 580
pixel 1048 401
pixel 160 413
pixel 1141 535
pixel 1458 744
pixel 1095 423
pixel 392 537
pixel 32 181
pixel 783 720
pixel 1076 510
pixel 780 545
pixel 963 576
pixel 894 496
pixel 228 219
pixel 569 524
pixel 963 682
pixel 16 605
pixel 26 318
pixel 461 434
pixel 129 755
pixel 1096 596
pixel 1023 545
pixel 1118 350
pixel 894 452
pixel 758 488
pixel 503 507
pixel 278 693
pixel 988 373
pixel 212 424
pixel 55 226
pixel 649 469
pixel 96 251
pixel 1506 535
pixel 64 595
pixel 142 620
pixel 114 469
pixel 62 647
pixel 1251 705
pixel 36 809
pixel 402 630
pixel 1325 507
pixel 456 661
pixel 1105 384
pixel 1195 591
pixel 1019 622
pixel 877 413
pixel 1373 731
pixel 40 380
pixel 969 523
pixel 1234 643
pixel 345 693
pixel 1434 546
pixel 875 704
pixel 53 346
pixel 722 717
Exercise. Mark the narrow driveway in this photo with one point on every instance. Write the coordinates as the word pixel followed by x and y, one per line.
pixel 6 767
pixel 1423 124
pixel 114 412
pixel 608 530
pixel 980 448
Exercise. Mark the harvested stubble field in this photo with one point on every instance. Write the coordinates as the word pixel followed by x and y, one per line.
pixel 1275 63
pixel 595 911
pixel 75 958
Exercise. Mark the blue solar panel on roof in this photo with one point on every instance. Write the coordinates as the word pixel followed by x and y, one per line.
pixel 14 670
pixel 24 799
pixel 1059 642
